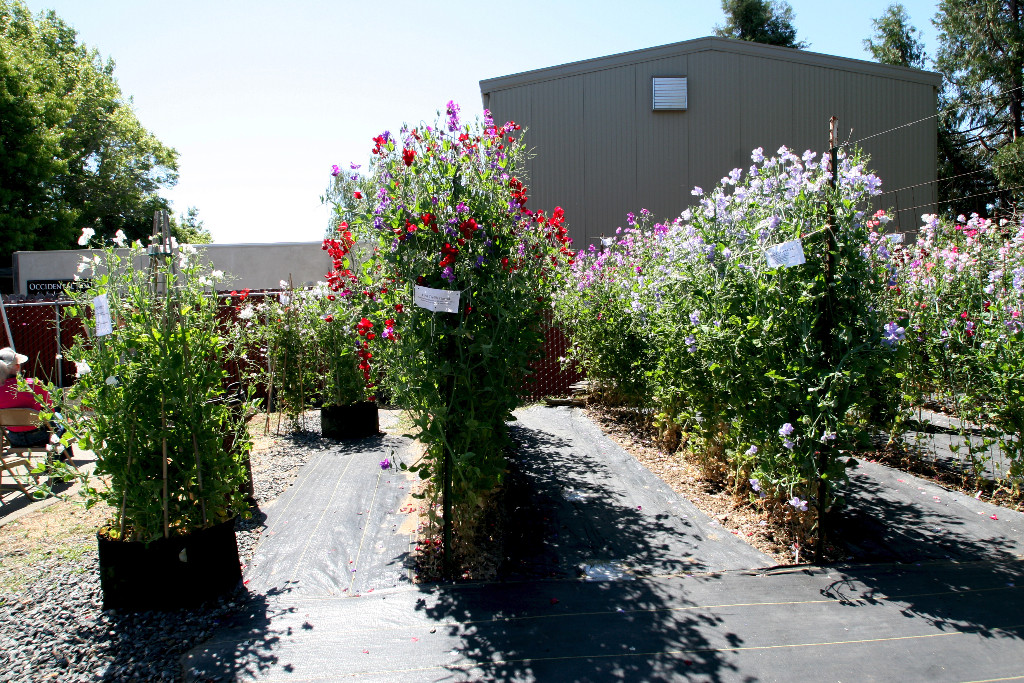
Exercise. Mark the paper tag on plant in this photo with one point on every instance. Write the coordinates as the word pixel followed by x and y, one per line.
pixel 437 300
pixel 786 255
pixel 895 238
pixel 101 314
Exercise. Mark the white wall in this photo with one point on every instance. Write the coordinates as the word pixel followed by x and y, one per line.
pixel 257 266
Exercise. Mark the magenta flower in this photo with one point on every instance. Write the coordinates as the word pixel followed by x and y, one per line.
pixel 385 464
pixel 335 170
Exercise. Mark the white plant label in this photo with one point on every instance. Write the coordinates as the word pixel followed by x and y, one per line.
pixel 895 238
pixel 101 314
pixel 786 255
pixel 436 300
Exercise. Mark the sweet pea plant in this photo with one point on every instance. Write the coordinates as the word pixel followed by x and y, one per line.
pixel 767 371
pixel 449 212
pixel 306 338
pixel 151 399
pixel 955 300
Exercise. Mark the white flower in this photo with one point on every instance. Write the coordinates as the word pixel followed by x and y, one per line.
pixel 284 284
pixel 119 238
pixel 285 299
pixel 112 381
pixel 82 368
pixel 87 234
pixel 54 438
pixel 82 266
pixel 246 313
pixel 188 249
pixel 206 282
pixel 217 275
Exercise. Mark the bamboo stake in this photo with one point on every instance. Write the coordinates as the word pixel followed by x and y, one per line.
pixel 199 476
pixel 124 496
pixel 163 422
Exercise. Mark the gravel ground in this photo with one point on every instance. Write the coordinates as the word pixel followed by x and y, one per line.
pixel 51 625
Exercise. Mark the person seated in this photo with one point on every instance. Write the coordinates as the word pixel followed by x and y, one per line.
pixel 12 397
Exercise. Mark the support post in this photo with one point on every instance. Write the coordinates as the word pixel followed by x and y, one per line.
pixel 828 331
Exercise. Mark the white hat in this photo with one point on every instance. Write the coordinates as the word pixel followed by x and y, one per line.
pixel 9 356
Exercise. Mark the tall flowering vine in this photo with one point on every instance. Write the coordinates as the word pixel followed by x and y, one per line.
pixel 443 207
pixel 735 354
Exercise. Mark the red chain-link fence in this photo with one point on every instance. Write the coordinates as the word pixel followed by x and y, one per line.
pixel 35 327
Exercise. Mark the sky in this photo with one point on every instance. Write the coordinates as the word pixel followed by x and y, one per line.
pixel 261 97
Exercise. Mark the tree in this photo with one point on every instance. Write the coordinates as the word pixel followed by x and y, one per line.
pixel 72 152
pixel 895 41
pixel 981 56
pixel 188 228
pixel 759 21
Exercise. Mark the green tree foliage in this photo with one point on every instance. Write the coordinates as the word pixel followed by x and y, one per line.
pixel 759 21
pixel 895 41
pixel 188 228
pixel 72 152
pixel 981 56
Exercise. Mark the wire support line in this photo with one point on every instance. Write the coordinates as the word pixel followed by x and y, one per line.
pixel 952 177
pixel 970 196
pixel 988 98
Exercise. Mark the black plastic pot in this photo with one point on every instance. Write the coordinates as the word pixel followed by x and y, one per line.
pixel 354 421
pixel 169 573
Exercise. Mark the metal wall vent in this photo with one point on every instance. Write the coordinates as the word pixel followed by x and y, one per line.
pixel 670 93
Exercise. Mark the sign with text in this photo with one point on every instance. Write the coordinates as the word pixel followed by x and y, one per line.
pixel 785 255
pixel 436 300
pixel 101 313
pixel 54 287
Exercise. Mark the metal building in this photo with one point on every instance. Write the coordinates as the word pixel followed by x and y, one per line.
pixel 640 129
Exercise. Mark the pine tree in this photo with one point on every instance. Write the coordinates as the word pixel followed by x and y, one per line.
pixel 895 41
pixel 759 21
pixel 981 56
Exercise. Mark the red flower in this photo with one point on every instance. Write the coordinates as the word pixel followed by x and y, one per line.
pixel 328 318
pixel 448 253
pixel 399 307
pixel 357 194
pixel 468 228
pixel 408 155
pixel 363 326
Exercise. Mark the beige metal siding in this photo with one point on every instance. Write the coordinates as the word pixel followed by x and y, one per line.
pixel 602 152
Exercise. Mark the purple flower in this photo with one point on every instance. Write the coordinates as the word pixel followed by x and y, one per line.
pixel 788 443
pixel 453 116
pixel 756 485
pixel 752 451
pixel 695 317
pixel 786 429
pixel 894 334
pixel 798 504
pixel 691 344
pixel 335 170
pixel 448 274
pixel 385 464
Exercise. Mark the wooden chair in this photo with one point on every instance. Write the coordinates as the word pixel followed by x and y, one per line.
pixel 16 461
